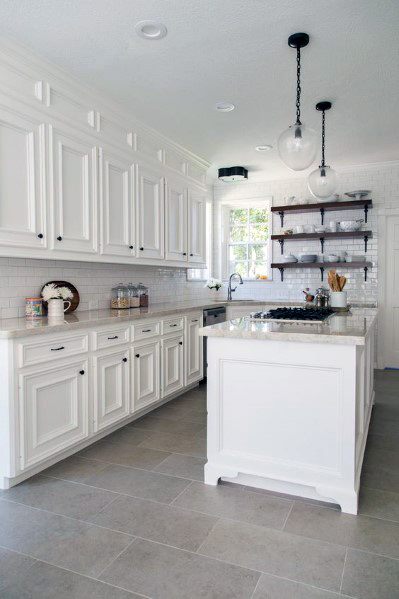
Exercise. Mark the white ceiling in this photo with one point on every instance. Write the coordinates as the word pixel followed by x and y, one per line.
pixel 236 51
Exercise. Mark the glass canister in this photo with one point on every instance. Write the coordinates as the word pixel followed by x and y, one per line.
pixel 120 299
pixel 143 295
pixel 134 299
pixel 33 307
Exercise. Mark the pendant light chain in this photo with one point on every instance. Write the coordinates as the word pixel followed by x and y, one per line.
pixel 298 86
pixel 323 137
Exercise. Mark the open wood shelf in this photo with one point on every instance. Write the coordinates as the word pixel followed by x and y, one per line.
pixel 366 235
pixel 322 266
pixel 323 207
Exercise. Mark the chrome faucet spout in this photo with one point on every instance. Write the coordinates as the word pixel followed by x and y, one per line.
pixel 234 275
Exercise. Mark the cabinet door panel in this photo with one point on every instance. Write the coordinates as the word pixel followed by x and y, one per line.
pixel 150 213
pixel 118 211
pixel 194 350
pixel 111 389
pixel 74 193
pixel 53 411
pixel 196 227
pixel 145 375
pixel 22 192
pixel 172 365
pixel 176 222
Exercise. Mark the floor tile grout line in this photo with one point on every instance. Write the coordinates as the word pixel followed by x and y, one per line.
pixel 207 537
pixel 171 503
pixel 37 560
pixel 343 571
pixel 256 586
pixel 113 560
pixel 288 515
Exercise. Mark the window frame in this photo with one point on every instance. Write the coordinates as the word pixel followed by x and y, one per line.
pixel 264 204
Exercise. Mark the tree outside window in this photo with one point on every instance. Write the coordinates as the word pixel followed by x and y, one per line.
pixel 247 241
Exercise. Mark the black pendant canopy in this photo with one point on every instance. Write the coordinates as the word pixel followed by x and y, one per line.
pixel 233 173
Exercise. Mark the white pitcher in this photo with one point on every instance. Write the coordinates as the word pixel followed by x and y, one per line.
pixel 56 309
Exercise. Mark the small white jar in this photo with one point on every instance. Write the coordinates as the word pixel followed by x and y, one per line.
pixel 338 299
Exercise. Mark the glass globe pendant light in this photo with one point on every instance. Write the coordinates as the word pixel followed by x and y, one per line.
pixel 297 145
pixel 322 182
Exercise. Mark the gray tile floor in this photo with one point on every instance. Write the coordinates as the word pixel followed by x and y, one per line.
pixel 130 517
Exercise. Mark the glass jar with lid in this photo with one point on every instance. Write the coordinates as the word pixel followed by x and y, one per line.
pixel 134 300
pixel 120 299
pixel 143 295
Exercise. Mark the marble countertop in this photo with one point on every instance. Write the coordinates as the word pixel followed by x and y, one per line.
pixel 344 328
pixel 22 327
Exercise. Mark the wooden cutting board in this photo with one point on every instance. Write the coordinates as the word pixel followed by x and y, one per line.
pixel 75 294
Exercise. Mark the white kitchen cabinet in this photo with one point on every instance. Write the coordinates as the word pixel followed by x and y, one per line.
pixel 22 192
pixel 196 227
pixel 172 364
pixel 176 233
pixel 145 373
pixel 73 196
pixel 111 392
pixel 53 404
pixel 150 204
pixel 193 349
pixel 118 213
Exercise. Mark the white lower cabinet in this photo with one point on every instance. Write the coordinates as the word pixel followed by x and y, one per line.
pixel 111 390
pixel 145 373
pixel 193 349
pixel 53 404
pixel 172 365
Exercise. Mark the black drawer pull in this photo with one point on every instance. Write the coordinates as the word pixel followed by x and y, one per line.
pixel 124 360
pixel 130 247
pixel 173 325
pixel 137 355
pixel 195 320
pixel 146 331
pixel 115 337
pixel 81 371
pixel 59 238
pixel 180 342
pixel 191 254
pixel 141 249
pixel 40 235
pixel 184 253
pixel 57 348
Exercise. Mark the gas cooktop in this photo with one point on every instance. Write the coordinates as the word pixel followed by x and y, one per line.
pixel 310 315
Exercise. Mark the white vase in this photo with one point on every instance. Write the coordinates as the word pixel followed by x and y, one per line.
pixel 338 299
pixel 56 309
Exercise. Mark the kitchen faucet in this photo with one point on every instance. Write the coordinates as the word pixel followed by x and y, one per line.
pixel 230 290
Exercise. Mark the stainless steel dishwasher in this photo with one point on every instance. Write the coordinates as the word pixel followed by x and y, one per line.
pixel 212 316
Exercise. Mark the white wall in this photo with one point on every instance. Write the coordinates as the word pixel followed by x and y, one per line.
pixel 382 180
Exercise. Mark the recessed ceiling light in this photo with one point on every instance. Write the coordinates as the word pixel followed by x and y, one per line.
pixel 224 106
pixel 264 148
pixel 151 30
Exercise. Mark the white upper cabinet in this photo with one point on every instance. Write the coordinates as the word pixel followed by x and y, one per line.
pixel 74 192
pixel 118 212
pixel 22 191
pixel 175 221
pixel 196 226
pixel 150 204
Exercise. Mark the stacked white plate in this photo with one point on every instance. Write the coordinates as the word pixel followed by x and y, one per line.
pixel 307 257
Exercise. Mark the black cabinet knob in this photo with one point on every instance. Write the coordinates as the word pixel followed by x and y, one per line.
pixel 130 247
pixel 191 254
pixel 40 235
pixel 141 249
pixel 124 360
pixel 137 355
pixel 59 238
pixel 180 342
pixel 81 371
pixel 184 253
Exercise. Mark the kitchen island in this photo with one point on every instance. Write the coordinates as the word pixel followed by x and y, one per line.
pixel 289 405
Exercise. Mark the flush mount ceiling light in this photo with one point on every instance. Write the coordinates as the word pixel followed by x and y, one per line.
pixel 151 30
pixel 264 148
pixel 234 173
pixel 322 182
pixel 224 106
pixel 297 144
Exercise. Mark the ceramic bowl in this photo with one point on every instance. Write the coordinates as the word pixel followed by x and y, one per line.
pixel 350 225
pixel 307 257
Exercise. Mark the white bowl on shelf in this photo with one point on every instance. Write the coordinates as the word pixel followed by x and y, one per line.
pixel 307 258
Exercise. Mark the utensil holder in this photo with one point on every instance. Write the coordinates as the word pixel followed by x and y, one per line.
pixel 338 299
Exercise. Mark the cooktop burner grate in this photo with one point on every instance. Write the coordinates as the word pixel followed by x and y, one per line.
pixel 314 315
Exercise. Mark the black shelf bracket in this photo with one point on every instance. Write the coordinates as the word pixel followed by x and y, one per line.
pixel 281 242
pixel 322 273
pixel 281 273
pixel 281 213
pixel 366 239
pixel 366 211
pixel 322 211
pixel 322 244
pixel 365 272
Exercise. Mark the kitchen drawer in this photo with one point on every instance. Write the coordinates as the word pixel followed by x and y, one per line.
pixel 145 330
pixel 171 325
pixel 108 338
pixel 46 350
